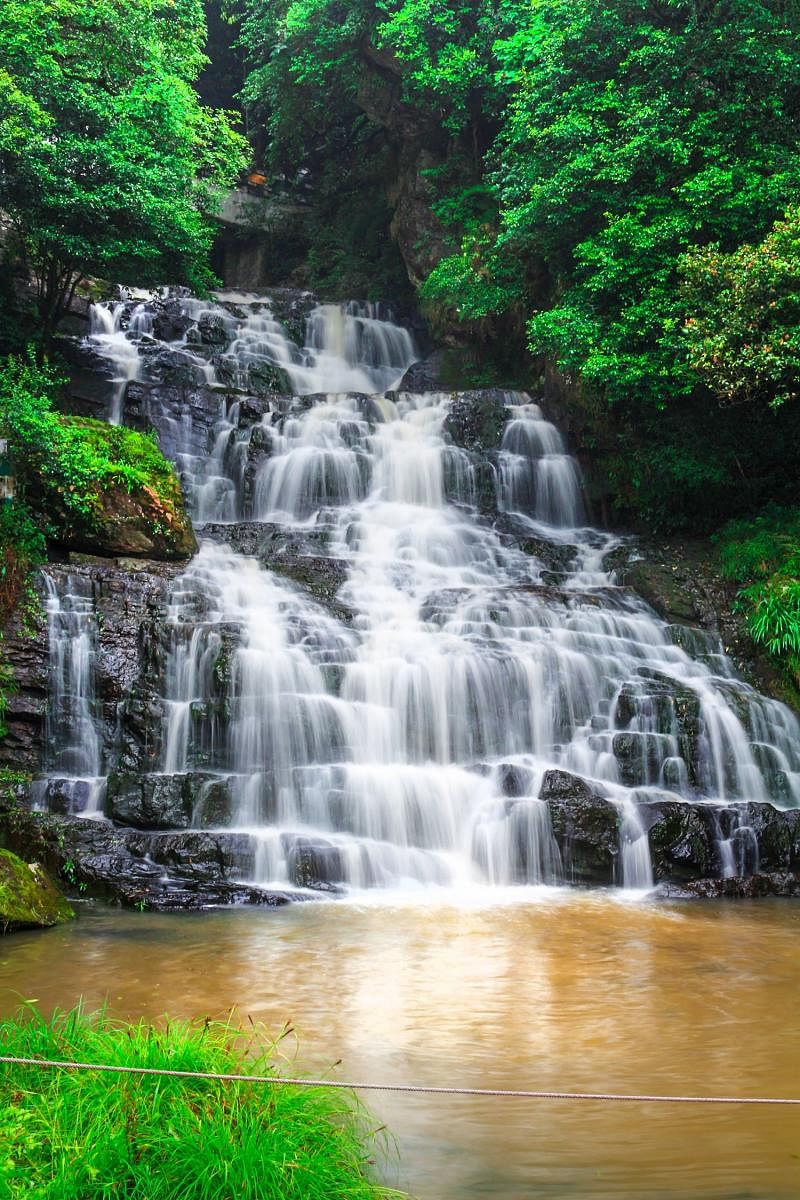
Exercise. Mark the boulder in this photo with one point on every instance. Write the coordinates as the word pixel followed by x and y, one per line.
pixel 313 863
pixel 585 827
pixel 425 375
pixel 150 801
pixel 681 848
pixel 138 523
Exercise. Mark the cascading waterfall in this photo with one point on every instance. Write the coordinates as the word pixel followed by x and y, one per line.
pixel 111 341
pixel 406 744
pixel 73 745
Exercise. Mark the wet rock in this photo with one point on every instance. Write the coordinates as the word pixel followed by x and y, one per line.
pixel 213 803
pixel 681 848
pixel 425 375
pixel 25 650
pixel 126 597
pixel 168 870
pixel 292 307
pixel 515 780
pixel 211 329
pixel 170 322
pixel 476 420
pixel 197 854
pixel 585 827
pixel 775 832
pixel 682 580
pixel 753 887
pixel 150 801
pixel 293 554
pixel 313 863
pixel 90 386
pixel 265 377
pixel 28 897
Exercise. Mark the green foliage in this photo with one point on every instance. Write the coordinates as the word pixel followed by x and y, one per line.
pixel 611 176
pixel 84 1136
pixel 65 464
pixel 108 163
pixel 764 554
pixel 7 689
pixel 743 327
pixel 636 133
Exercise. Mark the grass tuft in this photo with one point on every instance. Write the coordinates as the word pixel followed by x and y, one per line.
pixel 98 1136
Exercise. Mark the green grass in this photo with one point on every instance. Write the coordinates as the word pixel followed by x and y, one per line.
pixel 87 1136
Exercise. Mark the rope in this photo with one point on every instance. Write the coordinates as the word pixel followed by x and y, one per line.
pixel 417 1089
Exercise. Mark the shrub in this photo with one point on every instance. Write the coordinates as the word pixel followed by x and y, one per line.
pixel 764 555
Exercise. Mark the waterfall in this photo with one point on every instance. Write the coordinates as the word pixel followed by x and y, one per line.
pixel 73 745
pixel 402 732
pixel 111 341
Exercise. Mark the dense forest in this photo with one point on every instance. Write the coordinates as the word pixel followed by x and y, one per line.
pixel 602 201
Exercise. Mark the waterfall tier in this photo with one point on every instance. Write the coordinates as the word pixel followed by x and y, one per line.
pixel 398 659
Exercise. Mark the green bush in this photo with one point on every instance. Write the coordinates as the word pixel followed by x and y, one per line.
pixel 764 555
pixel 98 1136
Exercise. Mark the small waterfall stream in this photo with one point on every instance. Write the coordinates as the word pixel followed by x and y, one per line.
pixel 406 734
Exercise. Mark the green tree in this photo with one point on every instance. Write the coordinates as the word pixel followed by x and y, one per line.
pixel 742 330
pixel 109 165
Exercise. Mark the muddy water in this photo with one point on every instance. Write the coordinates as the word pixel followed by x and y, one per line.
pixel 579 993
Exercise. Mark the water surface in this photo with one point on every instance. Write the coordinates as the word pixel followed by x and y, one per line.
pixel 583 992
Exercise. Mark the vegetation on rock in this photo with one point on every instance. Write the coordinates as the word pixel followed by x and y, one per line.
pixel 87 1136
pixel 89 485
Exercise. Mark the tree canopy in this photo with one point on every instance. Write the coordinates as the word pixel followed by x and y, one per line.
pixel 609 177
pixel 109 165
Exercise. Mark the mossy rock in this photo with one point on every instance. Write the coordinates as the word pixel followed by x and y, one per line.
pixel 132 503
pixel 28 897
pixel 140 523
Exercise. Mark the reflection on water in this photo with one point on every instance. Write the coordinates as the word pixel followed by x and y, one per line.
pixel 578 993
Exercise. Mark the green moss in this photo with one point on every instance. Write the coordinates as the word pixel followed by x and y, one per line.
pixel 122 456
pixel 28 897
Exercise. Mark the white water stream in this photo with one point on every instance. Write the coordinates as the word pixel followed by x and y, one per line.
pixel 405 745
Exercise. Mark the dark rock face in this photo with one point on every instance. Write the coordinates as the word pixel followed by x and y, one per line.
pixel 752 887
pixel 314 863
pixel 296 555
pixel 90 387
pixel 476 421
pixel 680 846
pixel 128 598
pixel 683 582
pixel 26 652
pixel 585 826
pixel 159 870
pixel 425 375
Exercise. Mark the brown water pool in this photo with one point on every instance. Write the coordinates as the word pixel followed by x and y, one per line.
pixel 581 992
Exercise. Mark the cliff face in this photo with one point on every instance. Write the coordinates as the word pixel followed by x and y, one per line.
pixel 419 145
